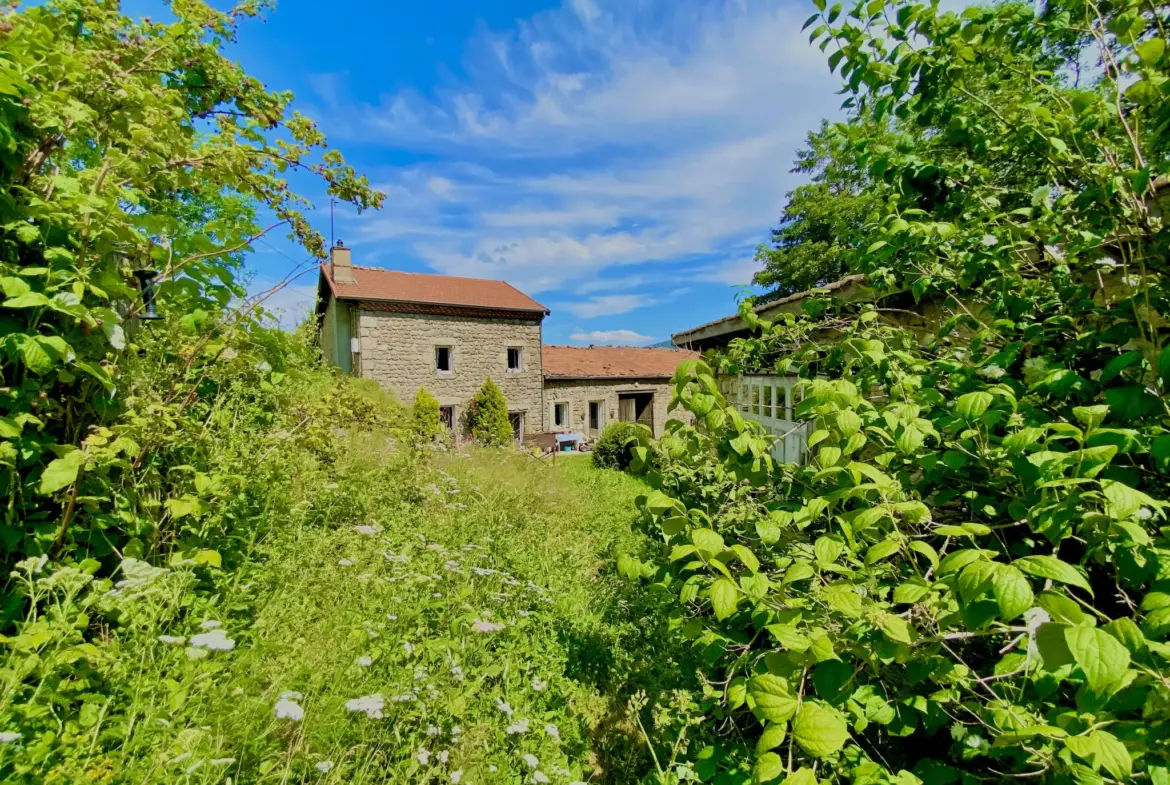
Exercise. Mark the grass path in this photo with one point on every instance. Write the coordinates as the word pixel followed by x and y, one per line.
pixel 426 624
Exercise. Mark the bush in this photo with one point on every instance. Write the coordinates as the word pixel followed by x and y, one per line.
pixel 487 416
pixel 614 449
pixel 426 423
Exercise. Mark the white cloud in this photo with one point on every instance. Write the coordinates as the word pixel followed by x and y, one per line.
pixel 611 337
pixel 599 141
pixel 608 305
pixel 733 272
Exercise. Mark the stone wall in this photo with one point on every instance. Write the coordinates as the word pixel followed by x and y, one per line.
pixel 578 394
pixel 398 351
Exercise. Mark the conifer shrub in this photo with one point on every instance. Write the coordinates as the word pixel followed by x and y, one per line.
pixel 427 426
pixel 487 416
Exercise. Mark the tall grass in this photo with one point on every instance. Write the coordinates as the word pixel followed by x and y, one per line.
pixel 390 617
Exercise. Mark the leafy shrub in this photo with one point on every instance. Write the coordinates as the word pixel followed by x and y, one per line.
pixel 615 446
pixel 426 423
pixel 967 580
pixel 487 416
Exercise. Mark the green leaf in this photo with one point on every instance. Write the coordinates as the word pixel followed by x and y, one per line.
pixel 707 541
pixel 1124 501
pixel 971 406
pixel 881 550
pixel 9 429
pixel 802 776
pixel 1012 591
pixel 1102 657
pixel 848 422
pixel 769 766
pixel 895 628
pixel 1053 568
pixel 1150 51
pixel 35 356
pixel 819 730
pixel 747 557
pixel 768 531
pixel 62 472
pixel 799 571
pixel 910 592
pixel 827 550
pixel 27 300
pixel 724 598
pixel 773 701
pixel 772 737
pixel 1102 749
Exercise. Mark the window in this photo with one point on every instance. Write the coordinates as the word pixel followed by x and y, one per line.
pixel 514 358
pixel 596 415
pixel 561 415
pixel 443 358
pixel 517 421
pixel 447 417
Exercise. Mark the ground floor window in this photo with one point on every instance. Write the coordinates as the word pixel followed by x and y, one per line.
pixel 447 417
pixel 560 415
pixel 517 420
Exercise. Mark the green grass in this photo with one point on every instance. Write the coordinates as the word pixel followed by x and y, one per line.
pixel 333 612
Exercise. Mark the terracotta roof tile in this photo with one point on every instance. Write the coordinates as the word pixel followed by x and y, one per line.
pixel 612 362
pixel 372 283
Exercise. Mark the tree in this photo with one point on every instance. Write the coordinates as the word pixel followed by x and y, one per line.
pixel 487 416
pixel 136 145
pixel 822 220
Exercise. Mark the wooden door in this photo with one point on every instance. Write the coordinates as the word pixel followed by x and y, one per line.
pixel 626 410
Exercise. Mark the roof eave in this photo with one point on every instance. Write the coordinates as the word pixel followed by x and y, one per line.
pixel 365 298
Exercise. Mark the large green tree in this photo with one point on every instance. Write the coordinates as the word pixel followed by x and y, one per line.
pixel 125 145
pixel 822 220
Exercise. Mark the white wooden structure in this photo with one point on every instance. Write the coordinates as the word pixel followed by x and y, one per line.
pixel 769 401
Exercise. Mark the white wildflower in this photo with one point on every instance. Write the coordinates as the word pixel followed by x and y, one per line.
pixel 365 576
pixel 391 617
pixel 408 646
pixel 345 562
pixel 457 672
pixel 326 766
pixel 486 626
pixel 539 776
pixel 196 654
pixel 517 728
pixel 522 614
pixel 423 756
pixel 443 756
pixel 502 705
pixel 365 662
pixel 290 695
pixel 531 760
pixel 289 709
pixel 370 705
pixel 433 730
pixel 553 730
pixel 194 767
pixel 539 685
pixel 457 776
pixel 222 761
pixel 437 595
pixel 9 737
pixel 455 731
pixel 493 768
pixel 368 531
pixel 210 624
pixel 216 640
pixel 172 640
pixel 180 757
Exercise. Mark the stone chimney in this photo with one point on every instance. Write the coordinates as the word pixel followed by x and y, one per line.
pixel 340 264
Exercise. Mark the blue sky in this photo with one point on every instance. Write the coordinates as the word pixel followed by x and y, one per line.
pixel 618 161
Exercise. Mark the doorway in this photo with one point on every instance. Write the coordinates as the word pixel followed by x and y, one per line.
pixel 596 418
pixel 517 421
pixel 637 407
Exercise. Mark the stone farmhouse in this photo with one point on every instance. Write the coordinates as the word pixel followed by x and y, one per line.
pixel 448 334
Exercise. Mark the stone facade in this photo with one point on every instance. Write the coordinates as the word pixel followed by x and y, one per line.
pixel 398 351
pixel 578 393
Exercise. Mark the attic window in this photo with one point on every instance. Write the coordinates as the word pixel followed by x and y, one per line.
pixel 514 358
pixel 443 359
